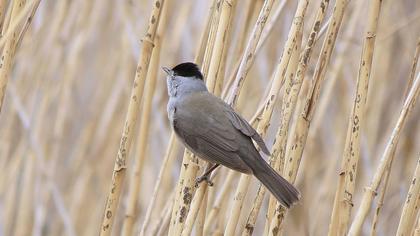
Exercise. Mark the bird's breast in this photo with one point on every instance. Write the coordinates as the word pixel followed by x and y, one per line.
pixel 171 109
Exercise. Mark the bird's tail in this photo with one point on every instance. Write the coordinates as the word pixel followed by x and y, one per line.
pixel 284 191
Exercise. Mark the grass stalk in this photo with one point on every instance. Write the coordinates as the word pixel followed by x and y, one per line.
pixel 351 154
pixel 249 53
pixel 163 170
pixel 70 84
pixel 246 62
pixel 3 4
pixel 285 69
pixel 300 128
pixel 292 89
pixel 410 211
pixel 384 167
pixel 135 181
pixel 120 168
pixel 8 53
pixel 190 164
pixel 217 61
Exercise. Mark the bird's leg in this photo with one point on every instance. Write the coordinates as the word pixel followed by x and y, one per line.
pixel 206 175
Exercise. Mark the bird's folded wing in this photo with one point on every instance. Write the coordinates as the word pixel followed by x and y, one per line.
pixel 213 142
pixel 241 124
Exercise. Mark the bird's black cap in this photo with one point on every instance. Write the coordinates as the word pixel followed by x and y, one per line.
pixel 188 69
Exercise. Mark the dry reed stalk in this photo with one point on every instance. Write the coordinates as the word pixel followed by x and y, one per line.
pixel 249 53
pixel 410 209
pixel 380 202
pixel 399 25
pixel 120 167
pixel 218 179
pixel 190 163
pixel 179 25
pixel 167 185
pixel 200 51
pixel 7 18
pixel 165 224
pixel 23 221
pixel 220 75
pixel 199 227
pixel 249 9
pixel 3 4
pixel 291 69
pixel 333 227
pixel 271 22
pixel 384 168
pixel 55 148
pixel 5 147
pixel 300 127
pixel 292 90
pixel 162 226
pixel 18 19
pixel 79 190
pixel 246 62
pixel 417 230
pixel 285 69
pixel 268 28
pixel 413 68
pixel 347 178
pixel 163 170
pixel 197 201
pixel 211 40
pixel 165 216
pixel 292 161
pixel 52 157
pixel 105 121
pixel 134 186
pixel 25 209
pixel 384 182
pixel 8 53
pixel 325 100
pixel 93 116
pixel 11 195
pixel 28 21
pixel 375 105
pixel 217 61
pixel 221 197
pixel 41 166
pixel 339 65
pixel 203 57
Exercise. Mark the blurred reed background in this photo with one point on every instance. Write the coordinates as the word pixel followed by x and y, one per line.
pixel 300 71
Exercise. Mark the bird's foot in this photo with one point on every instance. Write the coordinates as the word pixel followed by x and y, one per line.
pixel 203 178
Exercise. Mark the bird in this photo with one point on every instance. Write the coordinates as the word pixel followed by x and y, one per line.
pixel 213 131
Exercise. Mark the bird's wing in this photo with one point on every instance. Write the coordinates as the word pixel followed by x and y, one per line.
pixel 211 139
pixel 242 125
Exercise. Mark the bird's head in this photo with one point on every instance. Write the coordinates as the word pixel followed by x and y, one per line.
pixel 184 78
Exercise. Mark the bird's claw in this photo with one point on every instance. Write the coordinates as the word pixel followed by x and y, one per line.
pixel 203 178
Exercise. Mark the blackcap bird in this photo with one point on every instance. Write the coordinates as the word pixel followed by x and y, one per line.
pixel 213 131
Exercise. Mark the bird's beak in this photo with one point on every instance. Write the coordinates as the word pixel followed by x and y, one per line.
pixel 167 70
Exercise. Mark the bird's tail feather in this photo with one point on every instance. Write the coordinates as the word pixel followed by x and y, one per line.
pixel 284 191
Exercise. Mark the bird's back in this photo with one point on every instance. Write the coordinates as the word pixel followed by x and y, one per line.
pixel 202 125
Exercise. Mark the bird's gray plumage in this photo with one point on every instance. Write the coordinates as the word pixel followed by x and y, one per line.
pixel 211 129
